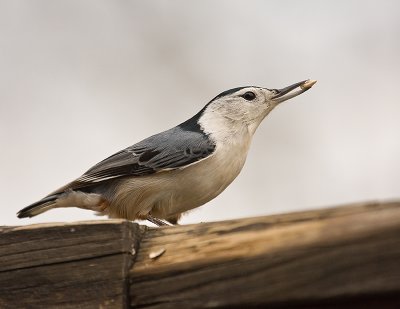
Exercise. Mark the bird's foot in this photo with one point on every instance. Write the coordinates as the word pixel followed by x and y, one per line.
pixel 158 222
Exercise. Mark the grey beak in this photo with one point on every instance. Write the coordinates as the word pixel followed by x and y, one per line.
pixel 288 93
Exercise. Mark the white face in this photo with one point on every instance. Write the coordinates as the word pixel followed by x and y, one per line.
pixel 246 107
pixel 247 104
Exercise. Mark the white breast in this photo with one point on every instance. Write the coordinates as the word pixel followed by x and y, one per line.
pixel 172 192
pixel 201 182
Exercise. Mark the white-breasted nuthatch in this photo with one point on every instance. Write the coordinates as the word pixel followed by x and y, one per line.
pixel 176 170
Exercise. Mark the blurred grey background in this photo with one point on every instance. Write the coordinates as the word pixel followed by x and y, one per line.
pixel 80 80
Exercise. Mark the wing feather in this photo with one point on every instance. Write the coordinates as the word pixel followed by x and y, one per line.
pixel 171 149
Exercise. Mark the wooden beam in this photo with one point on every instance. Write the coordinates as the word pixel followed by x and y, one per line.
pixel 76 265
pixel 346 257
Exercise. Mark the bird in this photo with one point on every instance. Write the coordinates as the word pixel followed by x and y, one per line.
pixel 167 174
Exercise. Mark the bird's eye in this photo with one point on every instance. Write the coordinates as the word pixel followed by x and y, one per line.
pixel 249 96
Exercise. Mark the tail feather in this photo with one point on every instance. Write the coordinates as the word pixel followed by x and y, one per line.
pixel 38 207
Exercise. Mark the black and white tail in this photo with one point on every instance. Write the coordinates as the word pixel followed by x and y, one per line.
pixel 39 207
pixel 68 198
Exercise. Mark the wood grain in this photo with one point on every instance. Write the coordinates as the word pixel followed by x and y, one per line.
pixel 340 257
pixel 78 265
pixel 343 257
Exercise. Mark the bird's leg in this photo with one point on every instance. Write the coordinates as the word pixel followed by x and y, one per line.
pixel 157 221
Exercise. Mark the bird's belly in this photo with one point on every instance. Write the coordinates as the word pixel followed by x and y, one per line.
pixel 199 183
pixel 169 193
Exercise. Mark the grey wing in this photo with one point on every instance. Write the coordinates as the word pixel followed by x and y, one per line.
pixel 172 149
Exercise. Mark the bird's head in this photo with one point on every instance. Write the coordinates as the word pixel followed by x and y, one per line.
pixel 247 106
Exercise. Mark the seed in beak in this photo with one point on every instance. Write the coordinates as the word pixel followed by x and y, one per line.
pixel 308 84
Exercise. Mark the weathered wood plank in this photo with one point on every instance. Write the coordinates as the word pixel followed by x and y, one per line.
pixel 344 257
pixel 341 257
pixel 78 265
